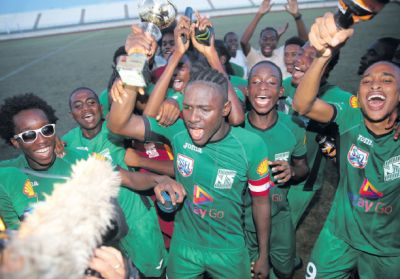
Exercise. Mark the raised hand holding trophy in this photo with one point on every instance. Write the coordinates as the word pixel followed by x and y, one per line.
pixel 155 15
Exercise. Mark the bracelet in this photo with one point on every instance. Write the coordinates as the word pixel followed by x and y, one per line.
pixel 297 17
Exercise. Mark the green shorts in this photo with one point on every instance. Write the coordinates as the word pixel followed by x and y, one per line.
pixel 186 262
pixel 334 258
pixel 282 243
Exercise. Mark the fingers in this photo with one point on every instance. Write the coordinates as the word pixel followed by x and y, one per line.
pixel 109 262
pixel 117 91
pixel 282 170
pixel 325 35
pixel 168 113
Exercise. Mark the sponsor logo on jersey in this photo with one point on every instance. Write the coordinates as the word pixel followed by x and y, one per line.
pixel 357 157
pixel 151 150
pixel 28 190
pixel 99 157
pixel 85 148
pixel 370 206
pixel 365 140
pixel 391 168
pixel 184 165
pixel 284 156
pixel 368 191
pixel 200 196
pixel 200 199
pixel 224 179
pixel 353 102
pixel 262 168
pixel 192 147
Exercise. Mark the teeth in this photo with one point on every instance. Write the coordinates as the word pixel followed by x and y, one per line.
pixel 380 97
pixel 297 68
pixel 42 150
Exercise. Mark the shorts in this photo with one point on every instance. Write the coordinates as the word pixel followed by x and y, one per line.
pixel 187 262
pixel 282 243
pixel 334 258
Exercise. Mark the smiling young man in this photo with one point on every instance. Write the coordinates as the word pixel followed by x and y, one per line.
pixel 301 196
pixel 215 163
pixel 362 228
pixel 28 123
pixel 287 154
pixel 269 36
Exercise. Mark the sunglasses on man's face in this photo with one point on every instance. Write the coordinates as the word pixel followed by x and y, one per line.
pixel 30 136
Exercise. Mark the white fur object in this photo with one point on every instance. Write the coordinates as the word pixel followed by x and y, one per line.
pixel 58 238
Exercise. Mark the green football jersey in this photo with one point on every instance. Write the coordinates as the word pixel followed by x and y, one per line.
pixel 330 94
pixel 104 143
pixel 22 187
pixel 214 177
pixel 367 204
pixel 284 140
pixel 143 243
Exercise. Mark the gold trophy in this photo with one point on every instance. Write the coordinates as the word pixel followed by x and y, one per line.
pixel 155 15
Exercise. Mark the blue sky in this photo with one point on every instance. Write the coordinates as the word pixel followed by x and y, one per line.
pixel 18 6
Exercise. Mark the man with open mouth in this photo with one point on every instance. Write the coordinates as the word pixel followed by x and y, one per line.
pixel 362 227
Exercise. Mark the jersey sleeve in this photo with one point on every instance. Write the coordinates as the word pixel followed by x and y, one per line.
pixel 346 117
pixel 258 172
pixel 157 133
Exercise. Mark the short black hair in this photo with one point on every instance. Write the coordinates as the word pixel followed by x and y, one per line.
pixel 229 33
pixel 82 88
pixel 211 77
pixel 269 63
pixel 270 29
pixel 223 51
pixel 13 105
pixel 118 52
pixel 295 41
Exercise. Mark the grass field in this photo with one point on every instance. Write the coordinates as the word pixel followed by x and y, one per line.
pixel 53 66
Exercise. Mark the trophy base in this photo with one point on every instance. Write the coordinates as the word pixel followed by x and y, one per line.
pixel 134 70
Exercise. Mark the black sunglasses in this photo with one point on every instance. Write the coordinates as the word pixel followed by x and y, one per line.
pixel 30 136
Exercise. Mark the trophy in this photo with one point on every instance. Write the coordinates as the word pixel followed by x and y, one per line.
pixel 155 15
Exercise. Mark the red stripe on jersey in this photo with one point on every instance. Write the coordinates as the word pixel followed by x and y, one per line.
pixel 259 194
pixel 260 181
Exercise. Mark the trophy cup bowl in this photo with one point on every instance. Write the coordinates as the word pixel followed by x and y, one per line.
pixel 155 15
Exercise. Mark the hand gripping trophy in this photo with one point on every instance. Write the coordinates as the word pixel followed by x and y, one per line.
pixel 155 15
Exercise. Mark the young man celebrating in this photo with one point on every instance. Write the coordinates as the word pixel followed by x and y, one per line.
pixel 214 166
pixel 288 163
pixel 362 228
pixel 269 36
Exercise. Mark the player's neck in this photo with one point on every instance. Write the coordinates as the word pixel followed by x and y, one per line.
pixel 380 128
pixel 263 121
pixel 91 133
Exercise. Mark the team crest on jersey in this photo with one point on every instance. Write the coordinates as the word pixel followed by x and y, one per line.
pixel 262 168
pixel 284 156
pixel 200 196
pixel 224 179
pixel 357 157
pixel 368 191
pixel 184 165
pixel 28 189
pixel 353 102
pixel 391 168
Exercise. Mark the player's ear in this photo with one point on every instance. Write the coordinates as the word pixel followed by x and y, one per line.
pixel 227 108
pixel 281 91
pixel 15 143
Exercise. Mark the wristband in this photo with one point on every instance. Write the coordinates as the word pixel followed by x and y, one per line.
pixel 297 17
